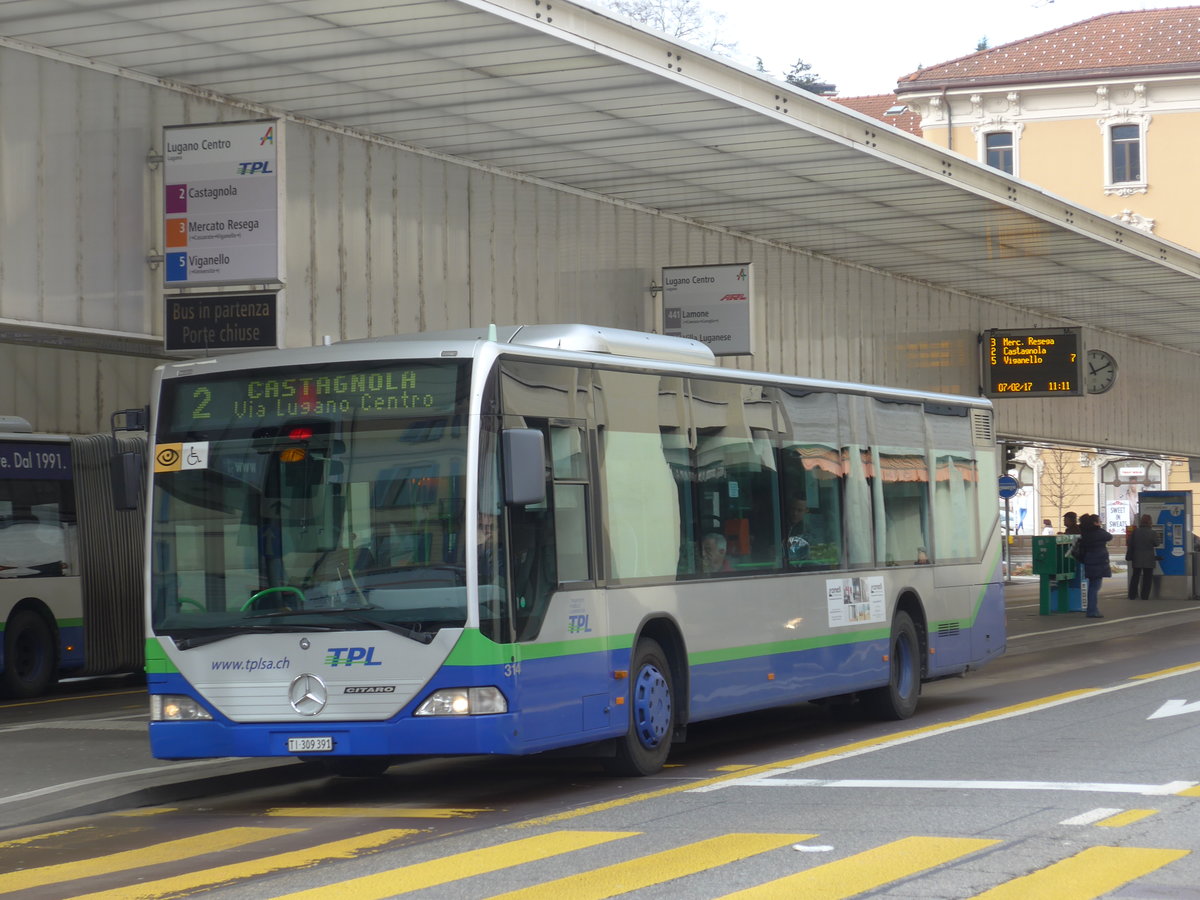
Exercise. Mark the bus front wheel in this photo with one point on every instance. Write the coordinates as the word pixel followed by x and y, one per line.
pixel 898 698
pixel 29 662
pixel 644 748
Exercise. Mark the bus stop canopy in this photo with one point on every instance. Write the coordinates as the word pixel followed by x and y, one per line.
pixel 571 95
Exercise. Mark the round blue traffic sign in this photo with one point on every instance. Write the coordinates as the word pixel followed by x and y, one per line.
pixel 1008 486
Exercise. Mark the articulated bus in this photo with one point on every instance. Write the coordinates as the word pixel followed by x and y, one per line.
pixel 520 539
pixel 71 562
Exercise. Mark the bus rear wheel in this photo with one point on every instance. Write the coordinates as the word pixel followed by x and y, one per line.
pixel 29 661
pixel 644 748
pixel 898 698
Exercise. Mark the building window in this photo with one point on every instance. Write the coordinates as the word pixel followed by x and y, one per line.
pixel 1125 161
pixel 1126 150
pixel 999 146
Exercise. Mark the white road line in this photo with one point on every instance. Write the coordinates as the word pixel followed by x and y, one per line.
pixel 923 734
pixel 1089 818
pixel 84 782
pixel 1148 790
pixel 1112 621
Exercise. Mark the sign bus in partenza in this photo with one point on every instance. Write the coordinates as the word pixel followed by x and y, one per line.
pixel 1035 362
pixel 710 304
pixel 221 218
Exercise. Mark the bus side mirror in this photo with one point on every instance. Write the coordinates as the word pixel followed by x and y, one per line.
pixel 128 476
pixel 524 455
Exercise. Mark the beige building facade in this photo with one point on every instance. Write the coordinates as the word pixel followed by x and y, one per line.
pixel 1103 113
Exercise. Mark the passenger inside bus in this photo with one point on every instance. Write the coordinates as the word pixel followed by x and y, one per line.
pixel 712 554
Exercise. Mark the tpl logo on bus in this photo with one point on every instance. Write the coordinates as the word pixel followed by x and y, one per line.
pixel 351 656
pixel 262 167
pixel 577 624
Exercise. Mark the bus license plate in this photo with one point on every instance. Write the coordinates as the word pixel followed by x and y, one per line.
pixel 309 744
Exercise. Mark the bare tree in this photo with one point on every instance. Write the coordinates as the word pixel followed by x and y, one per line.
pixel 1058 489
pixel 688 20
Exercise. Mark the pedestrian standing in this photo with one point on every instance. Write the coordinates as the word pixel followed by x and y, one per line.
pixel 1141 556
pixel 1093 541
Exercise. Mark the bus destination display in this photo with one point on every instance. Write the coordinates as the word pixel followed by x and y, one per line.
pixel 1038 362
pixel 272 396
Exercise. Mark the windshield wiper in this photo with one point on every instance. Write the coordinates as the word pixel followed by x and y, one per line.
pixel 347 613
pixel 212 637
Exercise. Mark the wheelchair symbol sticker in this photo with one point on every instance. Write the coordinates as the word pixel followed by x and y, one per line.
pixel 176 457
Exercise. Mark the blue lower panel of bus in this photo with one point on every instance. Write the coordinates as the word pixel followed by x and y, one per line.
pixel 760 682
pixel 574 699
pixel 70 648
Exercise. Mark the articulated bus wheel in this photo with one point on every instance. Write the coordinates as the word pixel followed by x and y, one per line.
pixel 30 667
pixel 644 748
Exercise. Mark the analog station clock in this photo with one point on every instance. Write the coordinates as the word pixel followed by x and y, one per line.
pixel 1100 371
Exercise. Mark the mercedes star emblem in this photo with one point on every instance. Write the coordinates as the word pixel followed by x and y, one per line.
pixel 308 694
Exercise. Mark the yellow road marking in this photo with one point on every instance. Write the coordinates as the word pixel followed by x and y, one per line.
pixel 1189 792
pixel 736 767
pixel 657 868
pixel 1177 670
pixel 168 851
pixel 1086 875
pixel 148 811
pixel 461 865
pixel 33 838
pixel 44 700
pixel 864 871
pixel 350 812
pixel 290 861
pixel 1127 817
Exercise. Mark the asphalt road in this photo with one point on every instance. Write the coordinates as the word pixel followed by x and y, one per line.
pixel 1042 766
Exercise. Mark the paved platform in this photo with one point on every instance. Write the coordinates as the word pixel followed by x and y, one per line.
pixel 1028 630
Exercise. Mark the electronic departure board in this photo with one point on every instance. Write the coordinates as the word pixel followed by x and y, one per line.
pixel 1036 362
pixel 350 392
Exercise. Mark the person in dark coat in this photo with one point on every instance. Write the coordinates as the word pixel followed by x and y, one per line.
pixel 1093 541
pixel 1141 556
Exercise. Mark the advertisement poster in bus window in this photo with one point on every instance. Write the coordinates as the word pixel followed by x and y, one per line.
pixel 853 601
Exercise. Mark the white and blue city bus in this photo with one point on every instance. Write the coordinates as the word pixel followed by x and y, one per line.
pixel 71 562
pixel 518 539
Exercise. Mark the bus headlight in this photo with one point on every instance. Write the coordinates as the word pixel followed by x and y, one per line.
pixel 476 701
pixel 176 708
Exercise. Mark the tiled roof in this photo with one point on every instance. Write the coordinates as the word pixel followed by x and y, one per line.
pixel 876 106
pixel 1122 43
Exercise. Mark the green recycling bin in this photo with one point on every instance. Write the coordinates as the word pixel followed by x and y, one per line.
pixel 1058 571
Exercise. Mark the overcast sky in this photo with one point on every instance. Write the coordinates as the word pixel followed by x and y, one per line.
pixel 863 46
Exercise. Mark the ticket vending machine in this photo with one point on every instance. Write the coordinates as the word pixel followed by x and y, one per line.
pixel 1170 513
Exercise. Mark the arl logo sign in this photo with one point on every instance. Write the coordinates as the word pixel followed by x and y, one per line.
pixel 351 656
pixel 578 624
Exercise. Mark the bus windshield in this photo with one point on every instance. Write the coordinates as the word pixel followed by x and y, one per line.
pixel 328 497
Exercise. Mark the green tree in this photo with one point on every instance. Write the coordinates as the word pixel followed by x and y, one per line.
pixel 802 76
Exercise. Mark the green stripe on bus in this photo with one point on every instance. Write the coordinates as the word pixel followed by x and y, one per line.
pixel 157 661
pixel 731 654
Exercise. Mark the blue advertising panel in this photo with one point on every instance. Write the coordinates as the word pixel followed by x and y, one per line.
pixel 26 461
pixel 1170 512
